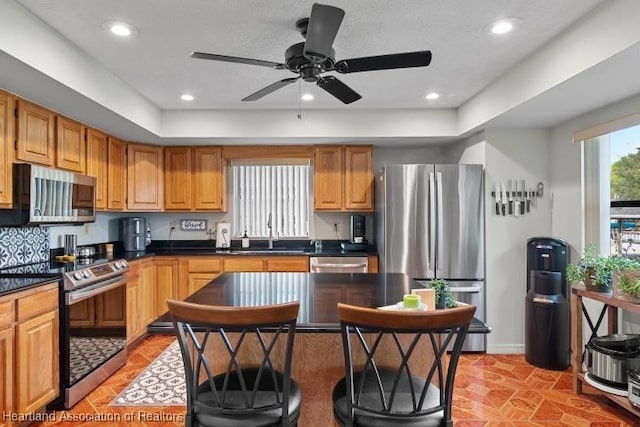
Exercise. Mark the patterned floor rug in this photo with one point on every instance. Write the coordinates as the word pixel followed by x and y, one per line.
pixel 162 383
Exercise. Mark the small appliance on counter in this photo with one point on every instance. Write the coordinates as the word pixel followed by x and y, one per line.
pixel 357 240
pixel 634 388
pixel 223 235
pixel 135 235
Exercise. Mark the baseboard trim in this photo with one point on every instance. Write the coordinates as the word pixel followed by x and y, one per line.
pixel 505 349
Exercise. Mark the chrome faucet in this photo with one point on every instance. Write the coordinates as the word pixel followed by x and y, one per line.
pixel 270 232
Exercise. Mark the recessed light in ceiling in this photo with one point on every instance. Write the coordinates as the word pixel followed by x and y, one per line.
pixel 120 28
pixel 187 97
pixel 503 26
pixel 431 96
pixel 307 97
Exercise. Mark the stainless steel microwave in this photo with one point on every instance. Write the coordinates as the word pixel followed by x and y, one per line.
pixel 50 196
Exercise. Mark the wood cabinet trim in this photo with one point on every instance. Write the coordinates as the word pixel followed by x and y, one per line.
pixel 235 152
pixel 7 138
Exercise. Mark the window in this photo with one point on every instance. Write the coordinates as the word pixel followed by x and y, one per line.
pixel 280 192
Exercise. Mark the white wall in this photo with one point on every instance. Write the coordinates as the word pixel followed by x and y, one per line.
pixel 508 154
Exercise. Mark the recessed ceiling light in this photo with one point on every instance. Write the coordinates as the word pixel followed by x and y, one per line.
pixel 307 97
pixel 432 95
pixel 120 28
pixel 187 97
pixel 503 26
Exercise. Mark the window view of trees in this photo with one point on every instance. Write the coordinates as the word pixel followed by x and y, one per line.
pixel 625 177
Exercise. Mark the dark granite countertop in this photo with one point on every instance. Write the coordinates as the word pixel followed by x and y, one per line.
pixel 258 248
pixel 9 285
pixel 318 294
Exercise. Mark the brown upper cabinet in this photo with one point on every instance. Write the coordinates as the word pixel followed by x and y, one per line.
pixel 343 178
pixel 70 145
pixel 116 174
pixel 97 165
pixel 35 143
pixel 144 177
pixel 7 136
pixel 194 179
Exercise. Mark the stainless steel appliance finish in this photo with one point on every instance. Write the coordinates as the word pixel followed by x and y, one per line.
pixel 50 196
pixel 133 234
pixel 328 264
pixel 429 221
pixel 91 350
pixel 634 388
pixel 611 366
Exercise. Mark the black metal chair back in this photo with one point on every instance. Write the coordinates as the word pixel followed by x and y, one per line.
pixel 238 363
pixel 398 371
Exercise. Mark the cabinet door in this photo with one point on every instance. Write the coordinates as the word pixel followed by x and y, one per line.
pixel 166 283
pixel 133 311
pixel 178 193
pixel 209 184
pixel 97 165
pixel 6 374
pixel 199 280
pixel 110 308
pixel 35 134
pixel 116 174
pixel 7 136
pixel 358 179
pixel 147 295
pixel 288 263
pixel 70 145
pixel 145 180
pixel 37 376
pixel 244 263
pixel 328 178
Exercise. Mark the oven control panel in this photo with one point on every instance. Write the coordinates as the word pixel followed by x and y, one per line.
pixel 94 274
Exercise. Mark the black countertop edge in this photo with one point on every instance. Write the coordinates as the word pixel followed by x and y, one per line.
pixel 161 326
pixel 132 256
pixel 10 285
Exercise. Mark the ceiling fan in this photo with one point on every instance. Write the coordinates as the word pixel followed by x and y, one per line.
pixel 315 56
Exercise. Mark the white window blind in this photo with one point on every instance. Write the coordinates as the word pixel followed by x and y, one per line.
pixel 281 191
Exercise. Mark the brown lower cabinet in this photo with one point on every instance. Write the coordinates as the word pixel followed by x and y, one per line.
pixel 29 347
pixel 141 298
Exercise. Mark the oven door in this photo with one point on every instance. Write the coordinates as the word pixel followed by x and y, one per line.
pixel 93 337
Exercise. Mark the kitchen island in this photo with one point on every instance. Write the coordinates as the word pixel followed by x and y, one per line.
pixel 318 360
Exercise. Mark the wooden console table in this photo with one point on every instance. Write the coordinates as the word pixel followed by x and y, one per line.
pixel 610 308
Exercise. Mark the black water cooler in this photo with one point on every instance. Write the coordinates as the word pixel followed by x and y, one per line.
pixel 547 341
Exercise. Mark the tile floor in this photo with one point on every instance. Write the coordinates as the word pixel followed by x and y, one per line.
pixel 491 390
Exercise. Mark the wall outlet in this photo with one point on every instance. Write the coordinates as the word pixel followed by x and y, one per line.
pixel 173 225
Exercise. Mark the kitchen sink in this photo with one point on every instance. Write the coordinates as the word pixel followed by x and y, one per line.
pixel 268 251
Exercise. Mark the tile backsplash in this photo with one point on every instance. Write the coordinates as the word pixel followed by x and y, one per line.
pixel 23 245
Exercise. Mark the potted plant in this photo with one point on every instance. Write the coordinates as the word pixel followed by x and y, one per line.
pixel 596 271
pixel 444 297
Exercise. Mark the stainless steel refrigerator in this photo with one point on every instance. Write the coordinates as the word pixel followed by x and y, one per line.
pixel 429 222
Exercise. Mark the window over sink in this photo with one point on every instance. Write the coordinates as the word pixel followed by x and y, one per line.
pixel 279 190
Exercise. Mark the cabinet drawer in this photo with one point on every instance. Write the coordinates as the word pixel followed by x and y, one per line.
pixel 288 264
pixel 244 263
pixel 204 265
pixel 6 314
pixel 41 302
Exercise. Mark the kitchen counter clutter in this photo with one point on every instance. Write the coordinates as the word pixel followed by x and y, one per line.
pixel 610 309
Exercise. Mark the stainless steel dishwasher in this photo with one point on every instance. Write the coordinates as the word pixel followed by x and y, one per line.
pixel 339 264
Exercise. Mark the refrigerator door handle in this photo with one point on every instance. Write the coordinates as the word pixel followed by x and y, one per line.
pixel 432 221
pixel 440 213
pixel 466 289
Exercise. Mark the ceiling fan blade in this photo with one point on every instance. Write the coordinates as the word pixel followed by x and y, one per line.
pixel 224 58
pixel 384 62
pixel 338 89
pixel 271 88
pixel 324 23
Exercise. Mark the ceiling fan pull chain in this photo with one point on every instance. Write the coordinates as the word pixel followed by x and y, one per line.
pixel 299 100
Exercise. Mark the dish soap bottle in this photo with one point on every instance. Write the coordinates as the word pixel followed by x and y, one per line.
pixel 245 240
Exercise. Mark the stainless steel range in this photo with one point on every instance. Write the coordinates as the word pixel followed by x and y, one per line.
pixel 93 330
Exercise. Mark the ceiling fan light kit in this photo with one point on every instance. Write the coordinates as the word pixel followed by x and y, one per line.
pixel 315 56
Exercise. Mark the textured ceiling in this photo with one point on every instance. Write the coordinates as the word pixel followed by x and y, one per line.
pixel 156 62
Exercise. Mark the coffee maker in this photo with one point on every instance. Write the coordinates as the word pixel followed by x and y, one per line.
pixel 135 234
pixel 357 229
